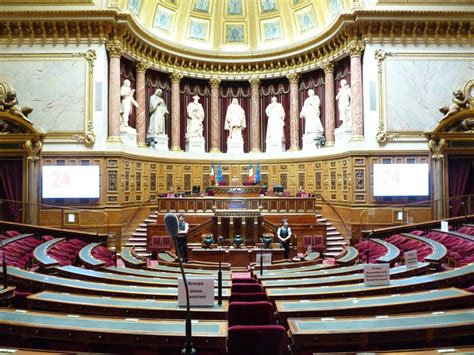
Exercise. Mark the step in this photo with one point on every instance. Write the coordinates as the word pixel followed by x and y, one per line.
pixel 139 234
pixel 332 253
pixel 340 243
pixel 333 233
pixel 136 239
pixel 334 237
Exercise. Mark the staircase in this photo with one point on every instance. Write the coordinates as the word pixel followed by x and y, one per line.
pixel 137 235
pixel 334 241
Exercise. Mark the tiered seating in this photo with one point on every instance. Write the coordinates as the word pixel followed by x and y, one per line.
pixel 460 246
pixel 66 251
pixel 18 248
pixel 375 251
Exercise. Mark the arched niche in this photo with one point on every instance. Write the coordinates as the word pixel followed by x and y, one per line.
pixel 451 146
pixel 20 151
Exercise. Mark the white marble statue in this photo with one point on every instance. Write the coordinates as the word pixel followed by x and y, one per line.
pixel 195 113
pixel 276 120
pixel 127 100
pixel 311 114
pixel 158 111
pixel 343 98
pixel 235 120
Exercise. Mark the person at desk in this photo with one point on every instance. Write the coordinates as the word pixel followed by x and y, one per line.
pixel 182 239
pixel 284 235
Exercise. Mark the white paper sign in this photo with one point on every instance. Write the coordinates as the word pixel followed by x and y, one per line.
pixel 201 291
pixel 445 226
pixel 329 261
pixel 411 259
pixel 267 258
pixel 377 274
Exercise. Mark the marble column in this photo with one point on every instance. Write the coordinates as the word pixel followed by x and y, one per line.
pixel 294 112
pixel 330 118
pixel 33 148
pixel 214 133
pixel 254 115
pixel 175 112
pixel 355 49
pixel 140 94
pixel 115 49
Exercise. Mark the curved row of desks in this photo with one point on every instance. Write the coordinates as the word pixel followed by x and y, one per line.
pixel 41 254
pixel 395 272
pixel 42 282
pixel 162 334
pixel 443 299
pixel 382 332
pixel 159 274
pixel 86 257
pixel 122 307
pixel 115 278
pixel 460 277
pixel 130 259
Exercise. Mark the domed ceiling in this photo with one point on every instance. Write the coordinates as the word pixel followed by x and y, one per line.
pixel 235 25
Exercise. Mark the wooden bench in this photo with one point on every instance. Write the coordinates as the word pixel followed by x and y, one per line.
pixel 438 253
pixel 392 253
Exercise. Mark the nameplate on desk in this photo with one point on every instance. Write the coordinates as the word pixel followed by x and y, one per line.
pixel 444 226
pixel 266 258
pixel 201 291
pixel 411 259
pixel 377 275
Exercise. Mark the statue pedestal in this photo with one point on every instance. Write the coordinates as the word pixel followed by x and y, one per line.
pixel 274 146
pixel 235 146
pixel 308 142
pixel 161 142
pixel 342 135
pixel 195 145
pixel 129 136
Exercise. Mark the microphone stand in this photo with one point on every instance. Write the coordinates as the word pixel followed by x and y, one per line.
pixel 219 275
pixel 188 345
pixel 4 265
pixel 368 245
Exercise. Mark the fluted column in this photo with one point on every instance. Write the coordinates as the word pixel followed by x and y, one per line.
pixel 215 121
pixel 355 49
pixel 175 112
pixel 330 118
pixel 255 115
pixel 140 92
pixel 115 49
pixel 294 114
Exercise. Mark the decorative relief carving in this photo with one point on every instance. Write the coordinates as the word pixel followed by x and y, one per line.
pixel 115 47
pixel 436 148
pixel 138 178
pixel 214 83
pixel 293 78
pixel 328 67
pixel 187 182
pixel 90 56
pixel 142 66
pixel 127 181
pixel 169 182
pixel 355 48
pixel 33 149
pixel 176 77
pixel 112 162
pixel 301 180
pixel 380 55
pixel 359 179
pixel 112 181
pixel 318 180
pixel 333 180
pixel 152 181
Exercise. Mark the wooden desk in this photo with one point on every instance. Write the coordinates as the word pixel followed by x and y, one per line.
pixel 236 257
pixel 122 307
pixel 87 333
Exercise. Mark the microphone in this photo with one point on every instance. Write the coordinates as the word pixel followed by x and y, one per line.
pixel 171 225
pixel 4 264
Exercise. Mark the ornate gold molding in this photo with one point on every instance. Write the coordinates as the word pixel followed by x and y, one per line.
pixel 115 47
pixel 328 67
pixel 176 77
pixel 254 82
pixel 90 56
pixel 380 55
pixel 355 48
pixel 214 82
pixel 142 66
pixel 293 78
pixel 33 148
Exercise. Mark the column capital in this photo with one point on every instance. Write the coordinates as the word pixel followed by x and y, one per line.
pixel 254 82
pixel 328 67
pixel 142 66
pixel 176 77
pixel 115 47
pixel 355 48
pixel 293 78
pixel 214 82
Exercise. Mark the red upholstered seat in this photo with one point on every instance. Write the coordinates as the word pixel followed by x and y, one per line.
pixel 250 313
pixel 246 287
pixel 256 339
pixel 248 297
